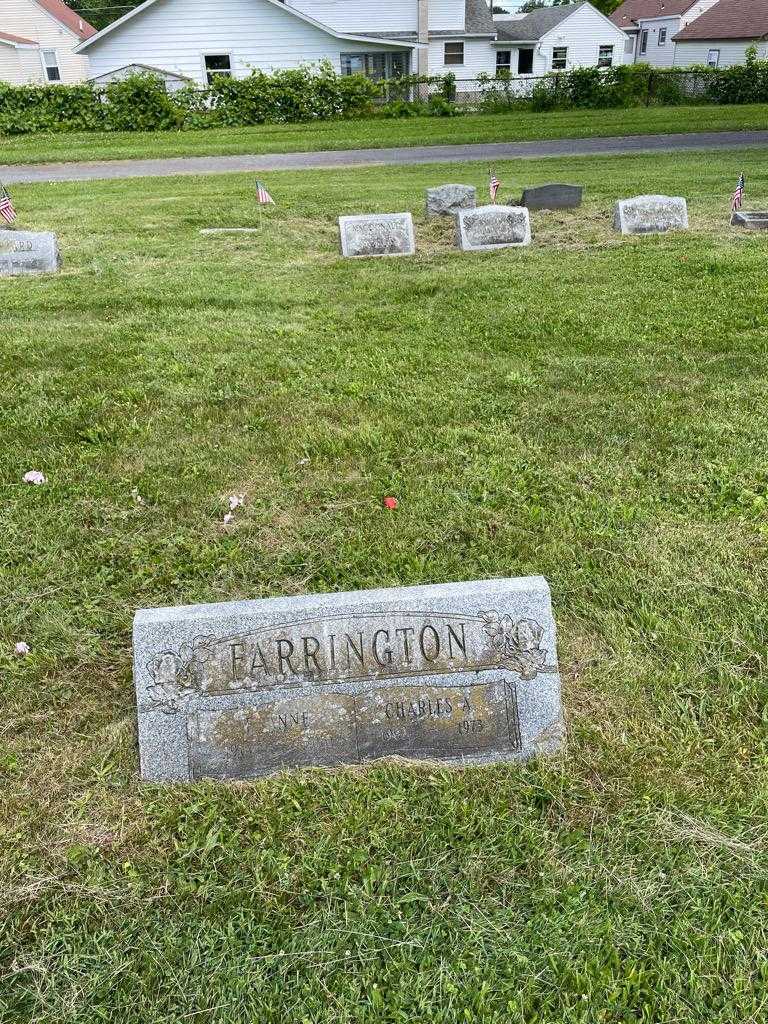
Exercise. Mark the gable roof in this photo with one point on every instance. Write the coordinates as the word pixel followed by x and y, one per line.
pixel 632 11
pixel 478 18
pixel 352 36
pixel 67 17
pixel 6 37
pixel 729 19
pixel 536 24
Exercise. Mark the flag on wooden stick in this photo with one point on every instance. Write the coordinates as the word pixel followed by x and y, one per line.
pixel 7 210
pixel 493 185
pixel 264 197
pixel 738 195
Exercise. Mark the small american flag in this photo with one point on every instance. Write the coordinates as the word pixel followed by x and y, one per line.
pixel 264 196
pixel 493 186
pixel 7 211
pixel 738 195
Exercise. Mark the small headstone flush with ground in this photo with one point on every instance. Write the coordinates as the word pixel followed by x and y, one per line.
pixel 464 673
pixel 377 234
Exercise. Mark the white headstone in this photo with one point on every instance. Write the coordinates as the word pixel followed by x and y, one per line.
pixel 645 215
pixel 492 227
pixel 377 234
pixel 28 252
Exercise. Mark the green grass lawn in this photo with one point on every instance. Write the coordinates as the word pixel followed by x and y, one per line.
pixel 591 408
pixel 378 133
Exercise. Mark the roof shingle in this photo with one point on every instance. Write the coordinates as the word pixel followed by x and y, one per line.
pixel 729 19
pixel 631 11
pixel 69 18
pixel 536 24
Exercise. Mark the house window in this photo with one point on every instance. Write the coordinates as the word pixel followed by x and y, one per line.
pixel 454 53
pixel 217 64
pixel 559 58
pixel 713 58
pixel 375 65
pixel 662 36
pixel 605 57
pixel 503 62
pixel 51 66
pixel 525 61
pixel 644 41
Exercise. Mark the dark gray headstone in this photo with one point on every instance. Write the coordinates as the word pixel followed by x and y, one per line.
pixel 552 197
pixel 28 252
pixel 447 200
pixel 463 673
pixel 752 220
pixel 492 227
pixel 645 215
pixel 377 234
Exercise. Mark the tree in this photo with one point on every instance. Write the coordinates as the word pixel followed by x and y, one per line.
pixel 101 13
pixel 605 6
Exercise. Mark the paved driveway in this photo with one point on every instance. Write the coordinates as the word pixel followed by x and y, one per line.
pixel 362 157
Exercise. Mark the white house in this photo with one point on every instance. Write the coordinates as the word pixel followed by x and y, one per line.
pixel 558 39
pixel 199 39
pixel 722 35
pixel 38 40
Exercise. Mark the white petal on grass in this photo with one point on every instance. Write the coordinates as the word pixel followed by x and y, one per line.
pixel 21 649
pixel 34 476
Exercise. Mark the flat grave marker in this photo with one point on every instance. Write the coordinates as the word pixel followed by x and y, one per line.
pixel 643 215
pixel 377 234
pixel 492 227
pixel 464 673
pixel 28 252
pixel 552 197
pixel 750 220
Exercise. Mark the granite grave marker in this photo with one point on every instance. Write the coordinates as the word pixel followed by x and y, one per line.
pixel 460 672
pixel 645 215
pixel 552 197
pixel 492 227
pixel 750 220
pixel 28 252
pixel 377 234
pixel 447 200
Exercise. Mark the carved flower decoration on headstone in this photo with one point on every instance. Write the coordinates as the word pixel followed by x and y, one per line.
pixel 517 643
pixel 176 677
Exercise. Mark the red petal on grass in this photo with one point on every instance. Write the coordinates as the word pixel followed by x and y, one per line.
pixel 390 503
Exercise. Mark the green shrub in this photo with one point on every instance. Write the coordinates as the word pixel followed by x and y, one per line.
pixel 139 103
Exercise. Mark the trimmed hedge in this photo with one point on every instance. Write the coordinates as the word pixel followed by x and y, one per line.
pixel 141 103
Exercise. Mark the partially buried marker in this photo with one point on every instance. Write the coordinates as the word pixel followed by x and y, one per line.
pixel 460 672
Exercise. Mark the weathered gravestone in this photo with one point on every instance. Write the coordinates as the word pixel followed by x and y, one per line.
pixel 552 197
pixel 462 673
pixel 752 220
pixel 644 215
pixel 377 234
pixel 28 252
pixel 447 200
pixel 492 227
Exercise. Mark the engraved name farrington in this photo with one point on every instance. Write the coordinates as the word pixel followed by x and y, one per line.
pixel 346 647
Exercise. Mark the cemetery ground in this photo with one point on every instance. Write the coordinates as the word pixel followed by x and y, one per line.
pixel 519 126
pixel 592 408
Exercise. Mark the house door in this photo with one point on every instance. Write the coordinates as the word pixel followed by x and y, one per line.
pixel 525 61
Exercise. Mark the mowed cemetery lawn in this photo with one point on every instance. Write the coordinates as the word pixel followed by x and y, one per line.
pixel 592 409
pixel 377 133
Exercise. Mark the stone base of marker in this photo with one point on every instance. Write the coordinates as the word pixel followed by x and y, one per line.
pixel 492 227
pixel 463 673
pixel 230 231
pixel 750 220
pixel 447 200
pixel 377 234
pixel 552 197
pixel 645 215
pixel 28 252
